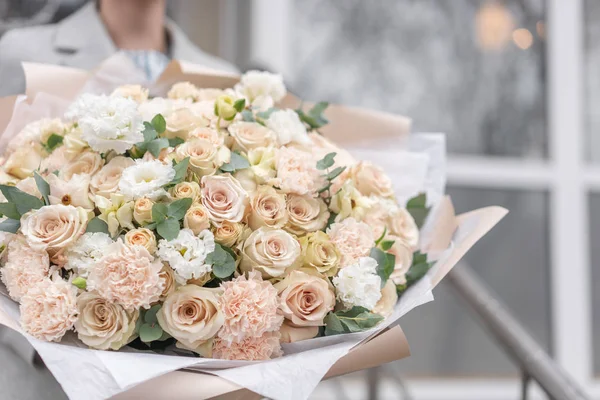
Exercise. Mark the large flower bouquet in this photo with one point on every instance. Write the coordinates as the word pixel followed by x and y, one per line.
pixel 211 222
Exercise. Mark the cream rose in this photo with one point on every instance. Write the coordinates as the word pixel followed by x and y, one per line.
pixel 196 219
pixel 267 208
pixel 54 228
pixel 87 163
pixel 141 237
pixel 349 202
pixel 23 162
pixel 371 180
pixel 192 315
pixel 404 226
pixel 168 275
pixel 205 157
pixel 136 93
pixel 291 334
pixel 404 259
pixel 102 324
pixel 250 135
pixel 229 233
pixel 186 190
pixel 224 198
pixel 183 91
pixel 73 143
pixel 306 214
pixel 142 210
pixel 305 298
pixel 247 179
pixel 320 253
pixel 262 163
pixel 270 251
pixel 209 134
pixel 182 121
pixel 389 297
pixel 106 181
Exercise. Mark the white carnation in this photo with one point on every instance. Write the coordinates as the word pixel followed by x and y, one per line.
pixel 186 254
pixel 88 249
pixel 107 123
pixel 288 127
pixel 358 284
pixel 260 84
pixel 146 179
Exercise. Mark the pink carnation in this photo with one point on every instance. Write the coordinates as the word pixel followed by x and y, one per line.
pixel 352 238
pixel 264 347
pixel 127 275
pixel 49 309
pixel 25 268
pixel 250 308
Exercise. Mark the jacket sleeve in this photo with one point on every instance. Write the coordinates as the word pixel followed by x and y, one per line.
pixel 12 77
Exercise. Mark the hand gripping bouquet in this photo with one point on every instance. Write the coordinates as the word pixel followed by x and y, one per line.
pixel 210 224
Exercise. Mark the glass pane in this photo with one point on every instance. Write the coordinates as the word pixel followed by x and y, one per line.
pixel 473 69
pixel 595 259
pixel 592 78
pixel 449 341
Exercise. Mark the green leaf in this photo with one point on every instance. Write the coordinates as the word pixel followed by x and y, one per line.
pixel 401 289
pixel 159 123
pixel 9 210
pixel 97 225
pixel 330 220
pixel 387 244
pixel 380 238
pixel 418 201
pixel 333 325
pixel 419 215
pixel 150 314
pixel 43 187
pixel 160 212
pixel 266 114
pixel 335 173
pixel 314 118
pixel 180 170
pixel 26 202
pixel 318 108
pixel 385 263
pixel 247 116
pixel 223 262
pixel 80 282
pixel 10 225
pixel 236 163
pixel 168 229
pixel 361 322
pixel 324 188
pixel 327 161
pixel 352 313
pixel 53 142
pixel 8 191
pixel 176 141
pixel 239 105
pixel 416 272
pixel 419 257
pixel 151 226
pixel 150 332
pixel 157 145
pixel 149 132
pixel 178 208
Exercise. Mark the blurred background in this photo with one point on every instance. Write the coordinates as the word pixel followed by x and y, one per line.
pixel 521 134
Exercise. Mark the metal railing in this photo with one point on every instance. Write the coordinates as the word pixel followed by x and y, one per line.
pixel 534 362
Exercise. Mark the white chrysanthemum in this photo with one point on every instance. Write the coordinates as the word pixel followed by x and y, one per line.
pixel 358 284
pixel 259 84
pixel 107 123
pixel 146 179
pixel 187 253
pixel 88 249
pixel 288 127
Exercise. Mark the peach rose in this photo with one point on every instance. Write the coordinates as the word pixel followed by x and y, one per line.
pixel 224 198
pixel 49 309
pixel 404 226
pixel 141 237
pixel 87 163
pixel 267 208
pixel 54 228
pixel 192 315
pixel 353 239
pixel 186 190
pixel 205 157
pixel 404 259
pixel 229 233
pixel 389 297
pixel 127 275
pixel 319 253
pixel 196 219
pixel 168 275
pixel 142 210
pixel 305 299
pixel 25 267
pixel 291 334
pixel 306 214
pixel 106 181
pixel 102 324
pixel 371 180
pixel 260 348
pixel 270 251
pixel 250 135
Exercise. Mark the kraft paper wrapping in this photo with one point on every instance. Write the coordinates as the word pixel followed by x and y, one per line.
pixel 92 374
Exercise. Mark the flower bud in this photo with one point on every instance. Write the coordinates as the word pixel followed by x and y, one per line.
pixel 224 107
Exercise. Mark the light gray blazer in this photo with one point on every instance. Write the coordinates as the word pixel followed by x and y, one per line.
pixel 79 41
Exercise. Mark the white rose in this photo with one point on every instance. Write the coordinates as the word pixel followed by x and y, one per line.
pixel 205 157
pixel 103 324
pixel 106 181
pixel 182 121
pixel 270 251
pixel 87 163
pixel 251 135
pixel 289 128
pixel 191 314
pixel 224 198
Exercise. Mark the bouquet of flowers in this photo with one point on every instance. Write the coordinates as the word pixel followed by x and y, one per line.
pixel 213 222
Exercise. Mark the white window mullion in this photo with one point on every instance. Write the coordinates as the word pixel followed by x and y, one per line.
pixel 570 291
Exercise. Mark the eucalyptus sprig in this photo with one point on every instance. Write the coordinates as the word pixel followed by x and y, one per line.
pixel 324 165
pixel 314 117
pixel 356 319
pixel 165 218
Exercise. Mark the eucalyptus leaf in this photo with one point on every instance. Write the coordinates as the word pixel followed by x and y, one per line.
pixel 236 163
pixel 150 332
pixel 416 272
pixel 248 116
pixel 155 146
pixel 176 141
pixel 333 325
pixel 387 244
pixel 43 187
pixel 168 229
pixel 9 210
pixel 266 114
pixel 418 201
pixel 361 322
pixel 26 202
pixel 222 261
pixel 97 225
pixel 159 123
pixel 335 173
pixel 149 132
pixel 150 314
pixel 385 263
pixel 178 208
pixel 327 161
pixel 160 212
pixel 180 170
pixel 10 225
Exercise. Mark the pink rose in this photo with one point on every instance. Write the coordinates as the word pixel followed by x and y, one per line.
pixel 270 251
pixel 224 198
